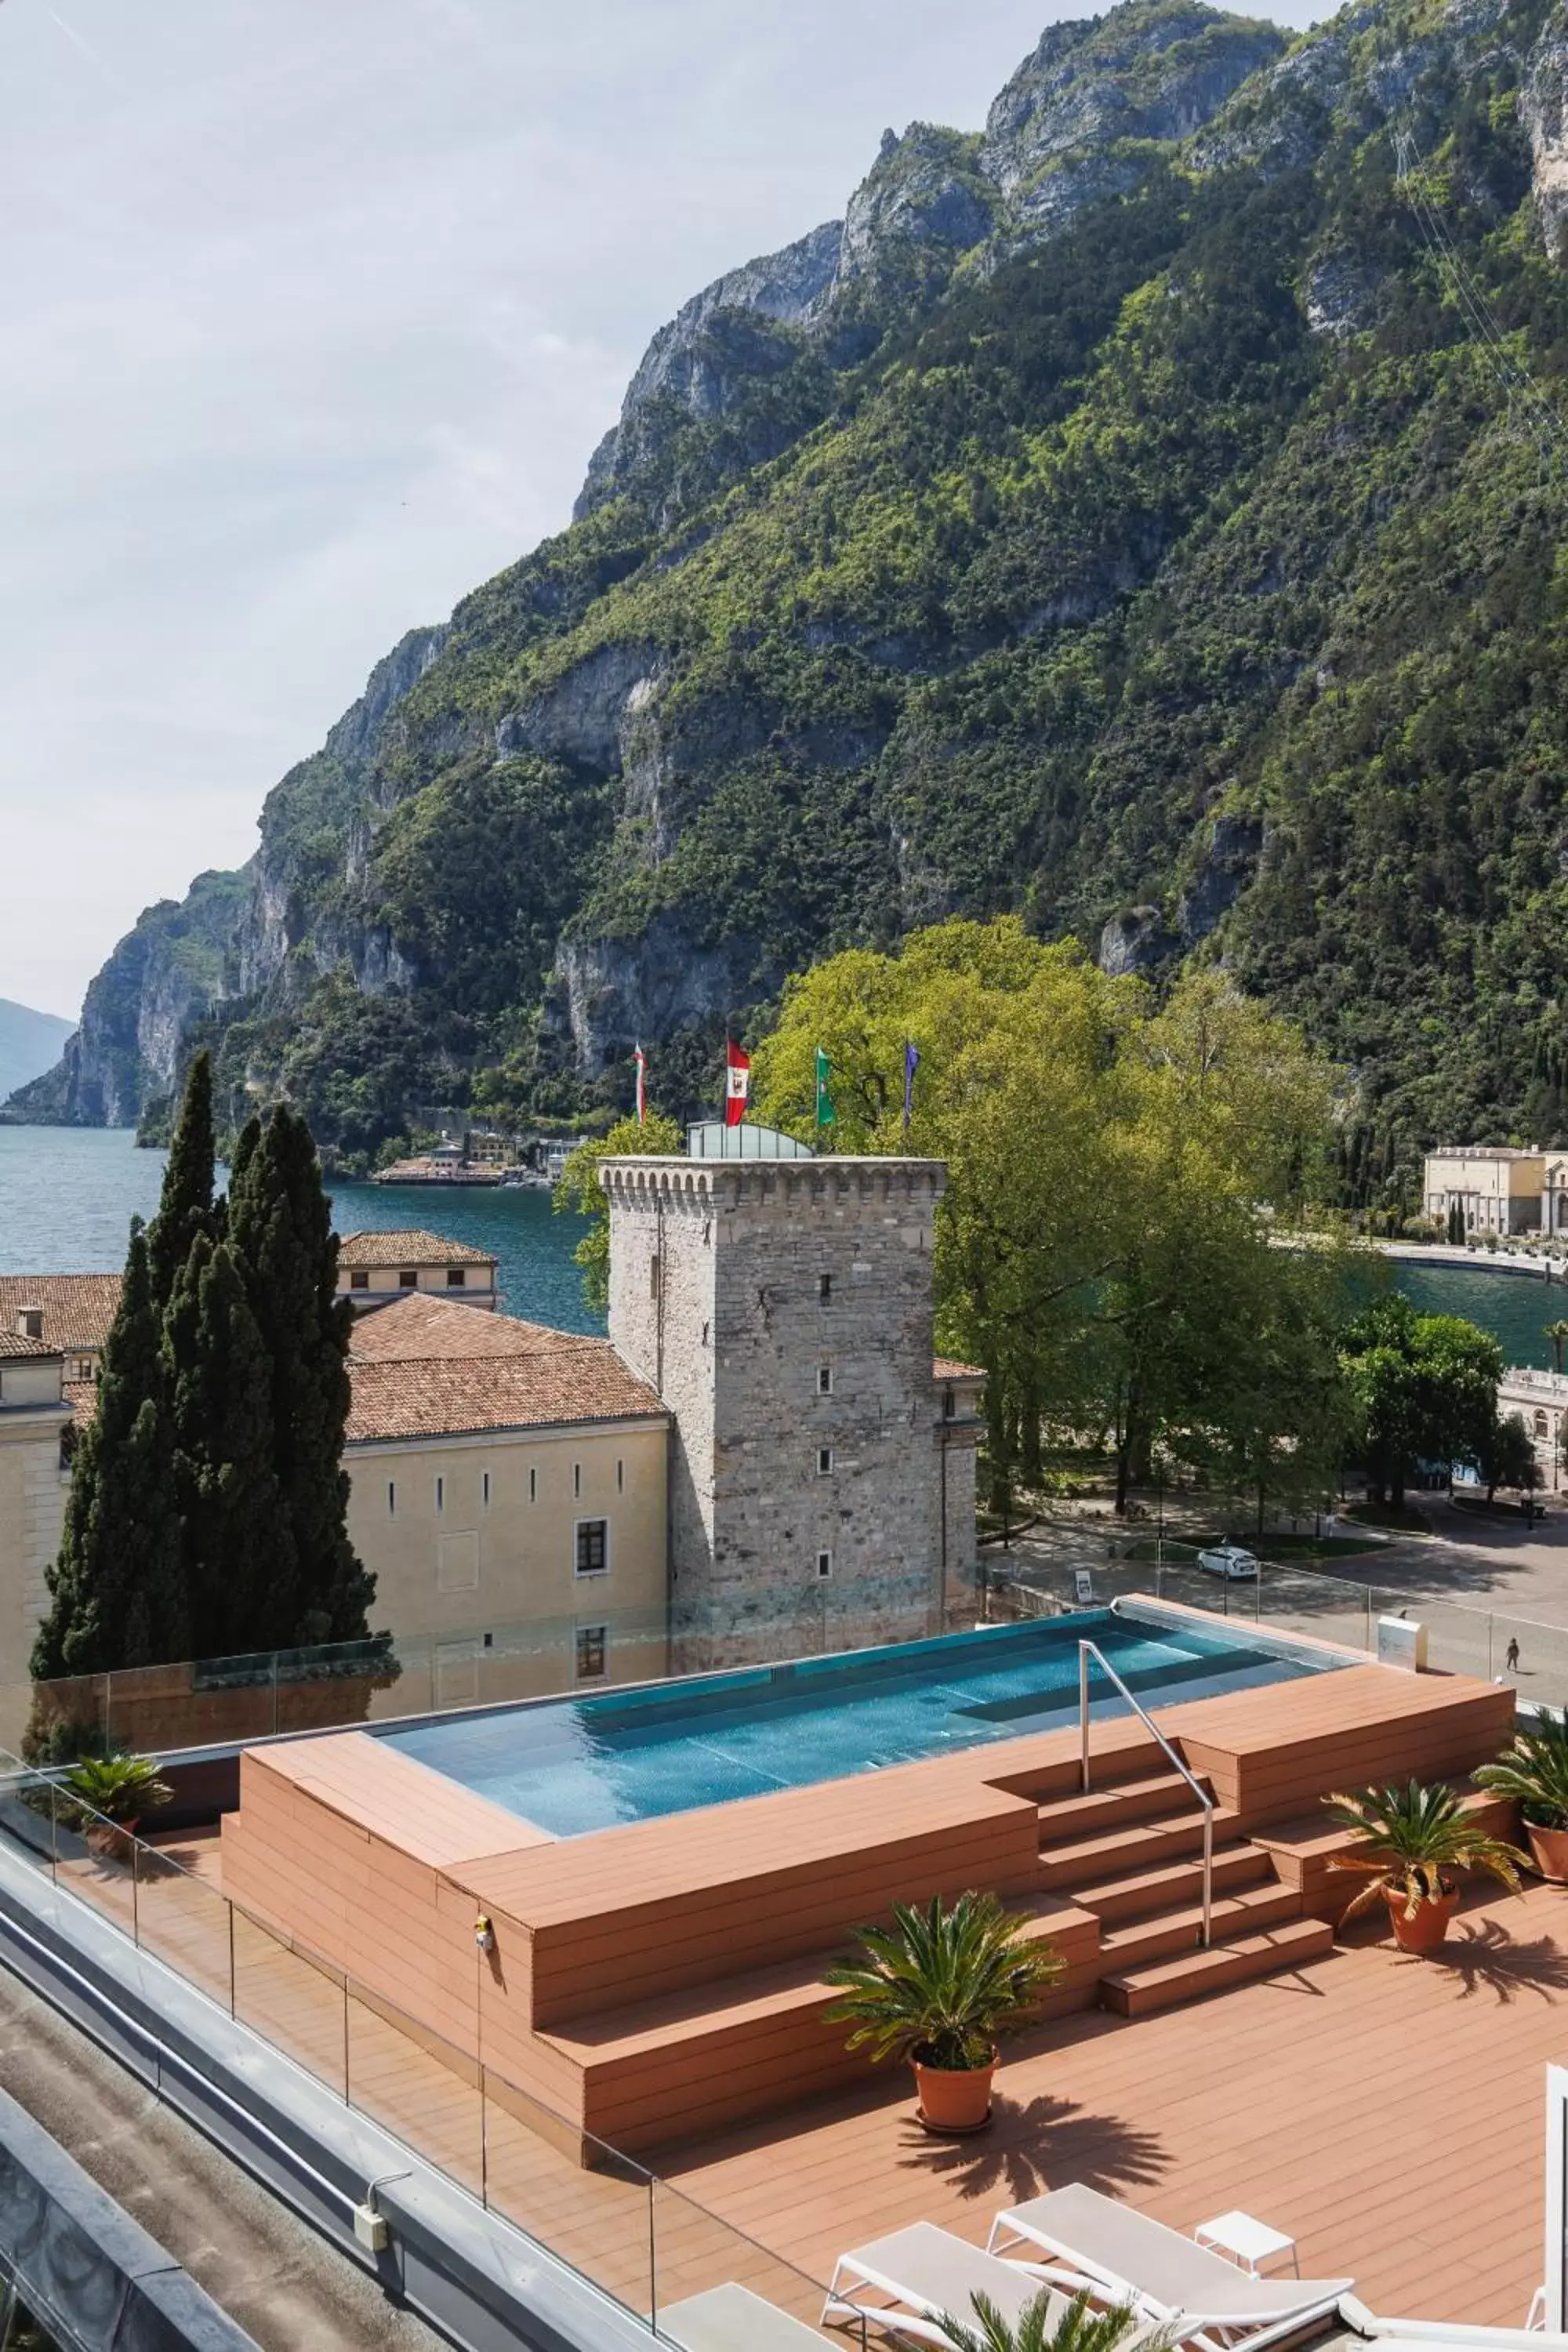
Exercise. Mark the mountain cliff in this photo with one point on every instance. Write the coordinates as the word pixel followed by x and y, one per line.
pixel 29 1042
pixel 1144 512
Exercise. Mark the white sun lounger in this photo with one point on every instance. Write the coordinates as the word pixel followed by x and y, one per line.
pixel 1137 2259
pixel 725 2317
pixel 927 2272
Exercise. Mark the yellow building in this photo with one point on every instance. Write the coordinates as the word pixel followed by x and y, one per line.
pixel 34 1414
pixel 509 1493
pixel 375 1268
pixel 1496 1190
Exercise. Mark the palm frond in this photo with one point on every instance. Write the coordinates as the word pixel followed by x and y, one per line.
pixel 1080 2327
pixel 1412 1840
pixel 1533 1770
pixel 942 1980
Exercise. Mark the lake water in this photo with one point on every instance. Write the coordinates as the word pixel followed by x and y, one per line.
pixel 68 1195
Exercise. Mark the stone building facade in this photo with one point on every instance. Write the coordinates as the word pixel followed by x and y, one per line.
pixel 34 1413
pixel 822 1474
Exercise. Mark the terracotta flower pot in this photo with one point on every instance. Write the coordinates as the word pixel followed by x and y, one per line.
pixel 1426 1930
pixel 112 1839
pixel 1550 1848
pixel 955 2099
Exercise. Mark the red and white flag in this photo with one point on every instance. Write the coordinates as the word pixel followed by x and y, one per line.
pixel 641 1059
pixel 737 1083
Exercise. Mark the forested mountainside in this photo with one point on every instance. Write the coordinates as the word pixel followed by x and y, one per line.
pixel 1121 516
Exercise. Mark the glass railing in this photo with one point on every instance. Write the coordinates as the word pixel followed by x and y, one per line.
pixel 639 2240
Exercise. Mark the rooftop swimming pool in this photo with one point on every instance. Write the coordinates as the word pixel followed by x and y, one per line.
pixel 574 1765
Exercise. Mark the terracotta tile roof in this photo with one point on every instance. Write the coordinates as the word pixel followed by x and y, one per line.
pixel 409 1247
pixel 947 1368
pixel 82 1398
pixel 451 1396
pixel 422 1324
pixel 18 1343
pixel 77 1307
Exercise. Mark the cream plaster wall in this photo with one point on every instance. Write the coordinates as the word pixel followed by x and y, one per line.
pixel 471 1567
pixel 32 1508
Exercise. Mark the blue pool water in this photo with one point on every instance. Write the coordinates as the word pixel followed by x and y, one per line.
pixel 574 1765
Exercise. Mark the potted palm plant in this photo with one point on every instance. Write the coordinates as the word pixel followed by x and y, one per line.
pixel 111 1795
pixel 937 1987
pixel 1534 1773
pixel 1415 1843
pixel 1051 2324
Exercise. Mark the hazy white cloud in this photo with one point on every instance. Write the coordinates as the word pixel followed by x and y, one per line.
pixel 313 315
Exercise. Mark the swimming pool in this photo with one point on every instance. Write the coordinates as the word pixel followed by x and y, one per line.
pixel 574 1765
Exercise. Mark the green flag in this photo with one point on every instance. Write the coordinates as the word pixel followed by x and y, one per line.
pixel 825 1114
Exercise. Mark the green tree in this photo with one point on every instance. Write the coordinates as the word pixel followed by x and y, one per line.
pixel 1558 1334
pixel 185 1205
pixel 117 1590
pixel 280 1229
pixel 236 1542
pixel 580 1192
pixel 1506 1458
pixel 1422 1387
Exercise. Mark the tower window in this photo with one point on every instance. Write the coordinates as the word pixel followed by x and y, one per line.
pixel 825 1288
pixel 440 1494
pixel 533 1486
pixel 576 1478
pixel 824 1461
pixel 620 1476
pixel 391 1499
pixel 653 1276
pixel 824 1563
pixel 824 1379
pixel 485 1489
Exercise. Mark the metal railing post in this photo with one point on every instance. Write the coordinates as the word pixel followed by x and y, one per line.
pixel 1083 1650
pixel 1205 1938
pixel 1141 1712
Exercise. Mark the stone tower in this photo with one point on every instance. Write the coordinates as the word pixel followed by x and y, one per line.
pixel 821 1483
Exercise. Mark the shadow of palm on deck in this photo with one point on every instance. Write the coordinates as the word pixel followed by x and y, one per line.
pixel 1034 2145
pixel 1481 1956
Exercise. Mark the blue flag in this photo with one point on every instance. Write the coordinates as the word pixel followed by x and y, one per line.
pixel 912 1063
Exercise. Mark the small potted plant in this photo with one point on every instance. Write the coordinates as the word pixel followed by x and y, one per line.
pixel 111 1794
pixel 938 1988
pixel 1534 1773
pixel 1415 1845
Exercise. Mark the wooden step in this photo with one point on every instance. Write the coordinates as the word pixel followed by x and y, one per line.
pixel 1140 1894
pixel 1120 1802
pixel 1160 1984
pixel 1170 1932
pixel 1081 1862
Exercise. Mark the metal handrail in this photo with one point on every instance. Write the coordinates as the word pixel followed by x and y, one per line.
pixel 1086 1650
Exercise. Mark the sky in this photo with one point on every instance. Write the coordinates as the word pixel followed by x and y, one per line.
pixel 314 311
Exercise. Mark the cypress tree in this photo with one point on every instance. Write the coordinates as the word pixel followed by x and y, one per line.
pixel 280 1230
pixel 185 1205
pixel 235 1546
pixel 117 1590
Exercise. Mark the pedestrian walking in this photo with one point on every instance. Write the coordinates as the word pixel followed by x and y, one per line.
pixel 1510 1655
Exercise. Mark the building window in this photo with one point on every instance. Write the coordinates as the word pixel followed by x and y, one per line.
pixel 592 1642
pixel 440 1494
pixel 824 1461
pixel 576 1479
pixel 824 1563
pixel 949 1405
pixel 825 1288
pixel 620 1476
pixel 533 1486
pixel 391 1501
pixel 824 1379
pixel 409 1278
pixel 592 1546
pixel 653 1277
pixel 358 1279
pixel 455 1277
pixel 485 1488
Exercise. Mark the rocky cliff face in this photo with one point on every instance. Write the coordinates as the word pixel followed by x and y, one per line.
pixel 1111 517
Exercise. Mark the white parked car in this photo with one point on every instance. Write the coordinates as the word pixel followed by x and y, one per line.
pixel 1229 1560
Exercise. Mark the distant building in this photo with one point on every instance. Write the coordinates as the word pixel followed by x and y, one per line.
pixel 71 1313
pixel 1498 1190
pixel 374 1269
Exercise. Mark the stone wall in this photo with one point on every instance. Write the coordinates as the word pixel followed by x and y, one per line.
pixel 735 1332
